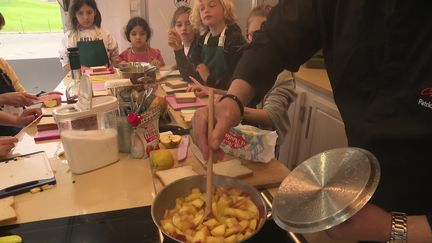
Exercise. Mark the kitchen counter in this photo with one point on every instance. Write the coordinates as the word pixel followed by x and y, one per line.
pixel 315 78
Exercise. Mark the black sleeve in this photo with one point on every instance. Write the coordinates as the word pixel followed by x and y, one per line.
pixel 289 37
pixel 187 65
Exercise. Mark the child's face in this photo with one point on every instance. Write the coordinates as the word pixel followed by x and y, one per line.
pixel 184 28
pixel 254 25
pixel 85 16
pixel 211 12
pixel 138 37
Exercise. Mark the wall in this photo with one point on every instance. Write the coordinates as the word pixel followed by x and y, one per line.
pixel 115 15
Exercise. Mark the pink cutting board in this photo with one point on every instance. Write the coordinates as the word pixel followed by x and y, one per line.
pixel 178 106
pixel 47 135
pixel 98 87
pixel 91 73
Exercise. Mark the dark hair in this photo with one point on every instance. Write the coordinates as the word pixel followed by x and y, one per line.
pixel 138 21
pixel 2 21
pixel 76 5
pixel 180 10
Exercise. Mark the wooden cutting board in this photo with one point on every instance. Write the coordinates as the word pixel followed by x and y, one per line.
pixel 265 175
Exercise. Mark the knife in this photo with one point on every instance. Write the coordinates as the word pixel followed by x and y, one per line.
pixel 183 148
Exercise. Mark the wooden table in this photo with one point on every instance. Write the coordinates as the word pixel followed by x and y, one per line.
pixel 125 184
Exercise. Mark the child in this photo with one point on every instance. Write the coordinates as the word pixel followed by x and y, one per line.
pixel 138 33
pixel 96 46
pixel 272 111
pixel 183 39
pixel 221 43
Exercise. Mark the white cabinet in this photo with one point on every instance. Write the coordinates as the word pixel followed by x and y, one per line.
pixel 316 126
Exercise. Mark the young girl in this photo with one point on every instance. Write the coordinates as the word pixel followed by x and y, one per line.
pixel 221 43
pixel 272 111
pixel 138 33
pixel 182 37
pixel 96 46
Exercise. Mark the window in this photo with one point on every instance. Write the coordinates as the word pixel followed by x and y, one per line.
pixel 33 29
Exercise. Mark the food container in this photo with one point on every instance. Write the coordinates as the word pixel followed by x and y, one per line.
pixel 166 198
pixel 139 73
pixel 89 133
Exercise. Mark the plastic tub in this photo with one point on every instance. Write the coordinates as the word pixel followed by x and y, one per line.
pixel 89 137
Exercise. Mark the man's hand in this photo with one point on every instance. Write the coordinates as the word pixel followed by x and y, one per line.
pixel 6 145
pixel 227 115
pixel 371 223
pixel 28 116
pixel 17 99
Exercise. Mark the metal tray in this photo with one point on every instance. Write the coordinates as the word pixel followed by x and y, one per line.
pixel 325 190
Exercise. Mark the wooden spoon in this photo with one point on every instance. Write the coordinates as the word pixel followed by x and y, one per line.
pixel 209 184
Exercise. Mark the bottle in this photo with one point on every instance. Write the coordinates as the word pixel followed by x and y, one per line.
pixel 72 89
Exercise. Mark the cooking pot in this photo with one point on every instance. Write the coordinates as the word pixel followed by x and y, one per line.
pixel 166 199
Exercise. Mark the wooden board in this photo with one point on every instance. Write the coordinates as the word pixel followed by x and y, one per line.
pixel 265 175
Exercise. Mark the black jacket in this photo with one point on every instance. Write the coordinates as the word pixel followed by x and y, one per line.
pixel 378 57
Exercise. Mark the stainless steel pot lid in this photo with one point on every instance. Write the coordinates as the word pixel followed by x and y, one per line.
pixel 325 190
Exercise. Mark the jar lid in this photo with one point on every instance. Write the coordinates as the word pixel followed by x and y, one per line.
pixel 73 111
pixel 325 190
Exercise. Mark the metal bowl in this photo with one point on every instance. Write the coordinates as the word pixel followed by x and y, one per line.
pixel 138 72
pixel 183 187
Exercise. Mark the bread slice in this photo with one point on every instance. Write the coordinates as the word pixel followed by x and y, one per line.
pixel 176 84
pixel 171 175
pixel 188 97
pixel 97 69
pixel 46 123
pixel 7 212
pixel 232 168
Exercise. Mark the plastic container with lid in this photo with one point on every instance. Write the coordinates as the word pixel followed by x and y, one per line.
pixel 88 130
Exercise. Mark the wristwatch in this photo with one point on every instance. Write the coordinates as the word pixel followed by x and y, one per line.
pixel 399 228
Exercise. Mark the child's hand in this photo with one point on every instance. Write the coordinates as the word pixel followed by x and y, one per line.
pixel 6 145
pixel 203 71
pixel 197 90
pixel 156 63
pixel 174 40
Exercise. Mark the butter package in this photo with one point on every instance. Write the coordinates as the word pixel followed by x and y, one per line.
pixel 250 143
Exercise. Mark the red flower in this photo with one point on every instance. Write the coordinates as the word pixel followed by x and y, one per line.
pixel 134 119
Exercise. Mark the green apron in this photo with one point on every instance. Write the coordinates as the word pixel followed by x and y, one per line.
pixel 214 57
pixel 92 52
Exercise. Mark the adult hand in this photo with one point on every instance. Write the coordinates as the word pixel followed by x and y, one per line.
pixel 227 115
pixel 28 116
pixel 174 40
pixel 203 71
pixel 6 145
pixel 17 99
pixel 371 223
pixel 197 90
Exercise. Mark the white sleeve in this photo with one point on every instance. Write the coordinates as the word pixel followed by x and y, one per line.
pixel 64 59
pixel 112 46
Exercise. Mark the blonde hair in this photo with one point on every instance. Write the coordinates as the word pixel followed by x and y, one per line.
pixel 259 11
pixel 229 14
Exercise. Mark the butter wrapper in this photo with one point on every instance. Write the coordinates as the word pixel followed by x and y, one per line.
pixel 250 143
